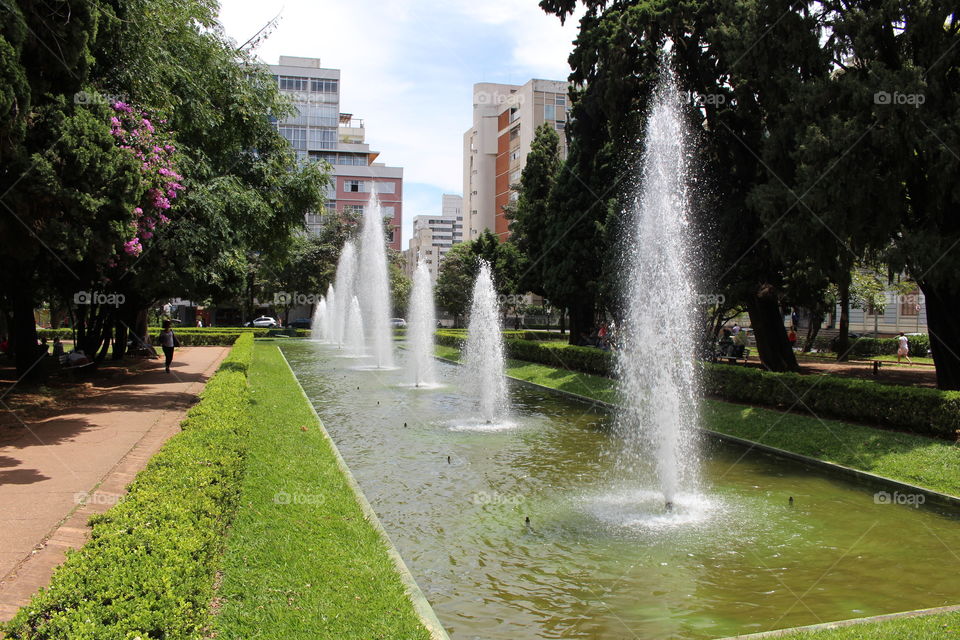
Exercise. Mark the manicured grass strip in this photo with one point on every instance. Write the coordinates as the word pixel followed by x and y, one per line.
pixel 942 626
pixel 148 569
pixel 301 559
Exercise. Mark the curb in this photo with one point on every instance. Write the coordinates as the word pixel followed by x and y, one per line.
pixel 420 603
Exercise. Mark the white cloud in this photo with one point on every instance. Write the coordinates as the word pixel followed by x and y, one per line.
pixel 408 67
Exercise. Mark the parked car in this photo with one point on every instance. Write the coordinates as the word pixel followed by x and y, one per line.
pixel 398 323
pixel 264 321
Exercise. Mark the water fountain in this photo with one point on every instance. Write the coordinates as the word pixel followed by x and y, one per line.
pixel 483 354
pixel 344 287
pixel 423 321
pixel 331 302
pixel 373 285
pixel 319 325
pixel 353 330
pixel 655 361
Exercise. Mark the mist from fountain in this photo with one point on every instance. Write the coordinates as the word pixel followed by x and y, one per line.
pixel 344 287
pixel 655 360
pixel 353 333
pixel 373 285
pixel 331 301
pixel 483 361
pixel 319 325
pixel 420 329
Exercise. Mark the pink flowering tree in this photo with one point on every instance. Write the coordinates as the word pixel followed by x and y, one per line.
pixel 156 155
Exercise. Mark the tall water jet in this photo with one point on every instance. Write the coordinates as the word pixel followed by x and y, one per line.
pixel 344 287
pixel 319 324
pixel 373 284
pixel 423 322
pixel 655 361
pixel 483 353
pixel 331 301
pixel 353 329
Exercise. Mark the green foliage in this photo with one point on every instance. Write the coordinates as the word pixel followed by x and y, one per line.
pixel 923 411
pixel 149 567
pixel 461 264
pixel 400 287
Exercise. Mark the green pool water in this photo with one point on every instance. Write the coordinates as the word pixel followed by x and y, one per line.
pixel 602 558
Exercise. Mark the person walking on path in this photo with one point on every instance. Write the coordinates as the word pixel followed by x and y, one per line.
pixel 168 341
pixel 903 348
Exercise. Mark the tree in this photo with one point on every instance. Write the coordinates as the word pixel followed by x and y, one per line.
pixel 455 280
pixel 739 64
pixel 461 264
pixel 529 216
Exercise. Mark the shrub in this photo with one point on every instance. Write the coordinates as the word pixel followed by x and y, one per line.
pixel 148 568
pixel 190 339
pixel 924 411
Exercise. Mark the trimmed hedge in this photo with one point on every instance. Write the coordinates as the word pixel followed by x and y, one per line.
pixel 188 339
pixel 869 347
pixel 197 336
pixel 923 411
pixel 149 567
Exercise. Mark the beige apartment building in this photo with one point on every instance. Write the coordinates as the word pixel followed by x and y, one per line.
pixel 495 148
pixel 433 235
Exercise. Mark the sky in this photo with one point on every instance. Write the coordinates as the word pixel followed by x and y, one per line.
pixel 408 68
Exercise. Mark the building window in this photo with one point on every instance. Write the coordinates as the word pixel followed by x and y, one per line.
pixel 293 83
pixel 386 187
pixel 318 85
pixel 353 208
pixel 515 175
pixel 323 138
pixel 549 112
pixel 514 155
pixel 514 114
pixel 561 101
pixel 296 136
pixel 514 133
pixel 355 186
pixel 389 211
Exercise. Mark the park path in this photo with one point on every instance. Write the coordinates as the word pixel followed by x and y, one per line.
pixel 57 471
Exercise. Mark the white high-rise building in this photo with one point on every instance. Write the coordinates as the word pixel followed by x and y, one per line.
pixel 321 131
pixel 433 235
pixel 495 148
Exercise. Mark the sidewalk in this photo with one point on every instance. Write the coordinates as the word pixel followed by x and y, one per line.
pixel 62 469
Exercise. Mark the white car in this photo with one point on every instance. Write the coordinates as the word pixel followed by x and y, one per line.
pixel 265 321
pixel 398 323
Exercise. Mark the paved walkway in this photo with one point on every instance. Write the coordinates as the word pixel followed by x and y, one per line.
pixel 56 472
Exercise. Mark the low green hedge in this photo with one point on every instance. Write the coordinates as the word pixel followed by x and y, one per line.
pixel 188 339
pixel 923 411
pixel 148 569
pixel 869 347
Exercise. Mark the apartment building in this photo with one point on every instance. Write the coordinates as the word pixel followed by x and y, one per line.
pixel 495 147
pixel 433 235
pixel 322 131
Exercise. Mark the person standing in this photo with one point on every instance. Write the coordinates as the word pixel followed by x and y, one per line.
pixel 903 348
pixel 168 342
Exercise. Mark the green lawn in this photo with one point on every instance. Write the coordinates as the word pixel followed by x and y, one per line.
pixel 923 461
pixel 301 560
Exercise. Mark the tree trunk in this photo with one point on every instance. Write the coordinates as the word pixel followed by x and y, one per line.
pixel 943 324
pixel 24 339
pixel 766 320
pixel 812 331
pixel 843 338
pixel 562 320
pixel 581 320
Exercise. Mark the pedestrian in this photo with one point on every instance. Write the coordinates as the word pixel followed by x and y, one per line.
pixel 792 337
pixel 57 347
pixel 168 342
pixel 735 330
pixel 903 348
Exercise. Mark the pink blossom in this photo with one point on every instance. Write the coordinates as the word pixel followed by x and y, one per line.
pixel 132 247
pixel 146 235
pixel 121 106
pixel 164 219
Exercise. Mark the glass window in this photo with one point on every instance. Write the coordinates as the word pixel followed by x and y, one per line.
pixel 549 112
pixel 319 85
pixel 293 83
pixel 296 136
pixel 322 138
pixel 561 101
pixel 386 187
pixel 354 208
pixel 389 212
